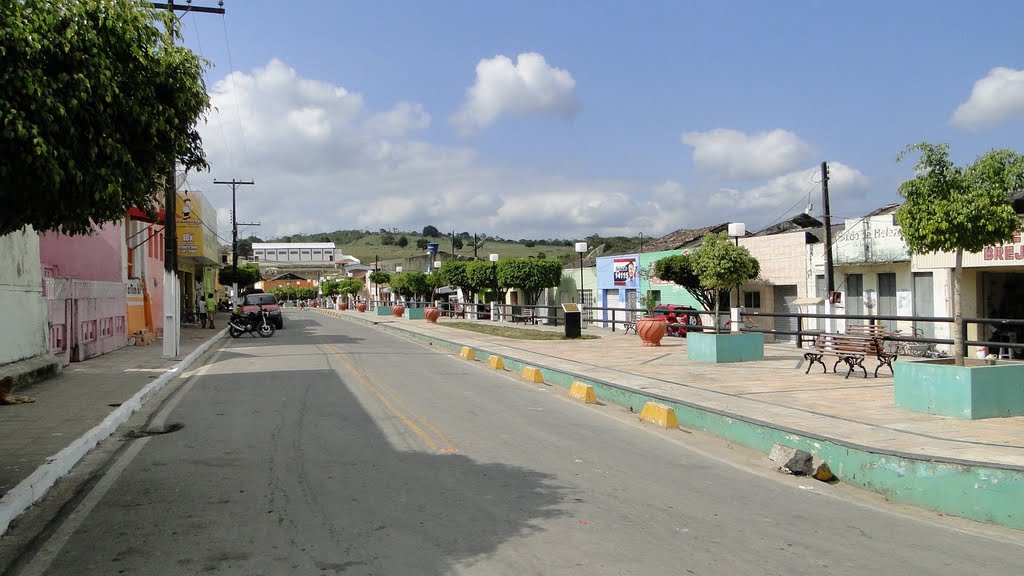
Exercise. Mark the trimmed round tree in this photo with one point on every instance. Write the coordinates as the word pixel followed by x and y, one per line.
pixel 947 208
pixel 721 265
pixel 530 275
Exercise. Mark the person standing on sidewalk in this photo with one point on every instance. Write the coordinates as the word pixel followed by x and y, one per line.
pixel 211 308
pixel 201 309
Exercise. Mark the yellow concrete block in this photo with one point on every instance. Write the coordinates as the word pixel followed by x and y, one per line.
pixel 496 363
pixel 531 374
pixel 467 353
pixel 659 414
pixel 584 392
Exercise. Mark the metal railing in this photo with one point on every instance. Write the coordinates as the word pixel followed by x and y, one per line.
pixel 551 315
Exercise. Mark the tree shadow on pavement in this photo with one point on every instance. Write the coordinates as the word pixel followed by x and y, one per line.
pixel 301 479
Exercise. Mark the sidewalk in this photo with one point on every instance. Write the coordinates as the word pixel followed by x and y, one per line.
pixel 962 467
pixel 74 402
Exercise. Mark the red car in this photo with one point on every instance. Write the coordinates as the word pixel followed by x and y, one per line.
pixel 253 302
pixel 676 315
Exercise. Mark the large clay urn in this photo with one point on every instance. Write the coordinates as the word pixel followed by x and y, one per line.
pixel 361 306
pixel 398 310
pixel 432 313
pixel 652 329
pixel 343 305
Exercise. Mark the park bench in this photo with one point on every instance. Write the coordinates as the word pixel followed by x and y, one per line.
pixel 852 349
pixel 525 316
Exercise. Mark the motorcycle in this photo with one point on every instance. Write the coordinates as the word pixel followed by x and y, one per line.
pixel 252 323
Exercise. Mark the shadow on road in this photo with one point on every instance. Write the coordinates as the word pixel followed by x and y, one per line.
pixel 301 479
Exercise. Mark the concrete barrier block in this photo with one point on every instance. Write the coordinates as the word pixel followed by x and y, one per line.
pixel 467 353
pixel 531 374
pixel 495 363
pixel 660 415
pixel 584 392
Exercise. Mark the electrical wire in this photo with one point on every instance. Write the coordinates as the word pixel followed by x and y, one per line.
pixel 234 91
pixel 220 123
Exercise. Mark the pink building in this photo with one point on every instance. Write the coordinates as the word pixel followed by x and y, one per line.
pixel 84 286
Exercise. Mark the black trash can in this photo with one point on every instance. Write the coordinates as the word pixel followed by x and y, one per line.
pixel 573 320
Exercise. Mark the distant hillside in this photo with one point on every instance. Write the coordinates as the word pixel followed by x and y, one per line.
pixel 385 245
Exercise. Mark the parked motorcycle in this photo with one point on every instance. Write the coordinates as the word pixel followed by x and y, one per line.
pixel 252 323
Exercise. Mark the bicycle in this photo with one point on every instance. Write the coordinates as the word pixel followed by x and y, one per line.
pixel 915 349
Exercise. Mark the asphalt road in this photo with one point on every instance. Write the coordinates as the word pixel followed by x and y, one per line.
pixel 335 448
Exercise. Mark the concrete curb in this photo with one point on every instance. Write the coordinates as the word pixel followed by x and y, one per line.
pixel 982 491
pixel 31 489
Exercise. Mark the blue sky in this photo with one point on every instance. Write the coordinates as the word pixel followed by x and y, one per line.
pixel 563 119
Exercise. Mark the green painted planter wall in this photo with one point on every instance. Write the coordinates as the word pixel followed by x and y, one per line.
pixel 414 313
pixel 969 392
pixel 384 311
pixel 718 348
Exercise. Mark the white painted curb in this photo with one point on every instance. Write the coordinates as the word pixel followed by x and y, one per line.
pixel 31 489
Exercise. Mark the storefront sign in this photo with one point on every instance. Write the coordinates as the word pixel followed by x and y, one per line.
pixel 1014 251
pixel 869 240
pixel 196 225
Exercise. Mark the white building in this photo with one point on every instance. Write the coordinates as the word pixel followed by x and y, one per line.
pixel 306 252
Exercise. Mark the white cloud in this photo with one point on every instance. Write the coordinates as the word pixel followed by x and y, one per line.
pixel 781 196
pixel 997 97
pixel 322 159
pixel 527 87
pixel 733 155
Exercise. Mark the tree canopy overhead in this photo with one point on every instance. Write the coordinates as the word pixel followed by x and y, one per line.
pixel 96 105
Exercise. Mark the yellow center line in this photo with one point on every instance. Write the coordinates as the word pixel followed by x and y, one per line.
pixel 389 399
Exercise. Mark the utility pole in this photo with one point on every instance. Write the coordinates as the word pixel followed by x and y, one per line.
pixel 234 229
pixel 829 279
pixel 172 304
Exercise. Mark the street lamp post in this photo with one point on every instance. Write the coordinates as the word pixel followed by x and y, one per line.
pixel 495 305
pixel 581 248
pixel 437 266
pixel 736 230
pixel 398 270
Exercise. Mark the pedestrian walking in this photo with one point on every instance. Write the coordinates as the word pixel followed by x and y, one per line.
pixel 211 307
pixel 201 309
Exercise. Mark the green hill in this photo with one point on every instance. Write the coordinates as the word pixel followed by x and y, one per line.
pixel 385 245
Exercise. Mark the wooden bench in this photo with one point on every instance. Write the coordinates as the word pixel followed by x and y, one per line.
pixel 852 349
pixel 525 316
pixel 630 324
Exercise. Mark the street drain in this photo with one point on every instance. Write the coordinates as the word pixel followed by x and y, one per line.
pixel 114 405
pixel 172 427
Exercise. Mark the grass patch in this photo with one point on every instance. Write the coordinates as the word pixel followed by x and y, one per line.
pixel 514 333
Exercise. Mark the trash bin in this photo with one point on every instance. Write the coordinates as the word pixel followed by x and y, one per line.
pixel 573 320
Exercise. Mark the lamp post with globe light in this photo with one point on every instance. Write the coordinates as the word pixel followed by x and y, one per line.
pixel 494 305
pixel 736 230
pixel 581 248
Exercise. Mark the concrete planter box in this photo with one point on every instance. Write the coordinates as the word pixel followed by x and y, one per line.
pixel 383 310
pixel 414 313
pixel 725 347
pixel 977 390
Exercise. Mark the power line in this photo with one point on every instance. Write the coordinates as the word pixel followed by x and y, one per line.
pixel 234 91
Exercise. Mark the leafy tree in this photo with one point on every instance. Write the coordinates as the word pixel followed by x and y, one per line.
pixel 350 287
pixel 421 243
pixel 248 274
pixel 542 255
pixel 457 244
pixel 96 105
pixel 952 209
pixel 431 232
pixel 388 239
pixel 529 243
pixel 418 285
pixel 331 287
pixel 484 274
pixel 379 277
pixel 403 241
pixel 453 273
pixel 434 280
pixel 716 266
pixel 530 275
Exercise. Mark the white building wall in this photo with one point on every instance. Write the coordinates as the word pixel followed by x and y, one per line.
pixel 21 297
